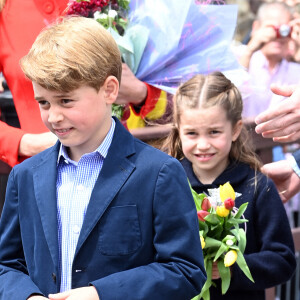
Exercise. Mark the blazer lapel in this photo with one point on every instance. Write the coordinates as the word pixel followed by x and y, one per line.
pixel 44 180
pixel 115 171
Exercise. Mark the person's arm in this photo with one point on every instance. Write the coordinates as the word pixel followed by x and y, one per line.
pixel 285 178
pixel 146 104
pixel 281 121
pixel 15 282
pixel 16 144
pixel 261 34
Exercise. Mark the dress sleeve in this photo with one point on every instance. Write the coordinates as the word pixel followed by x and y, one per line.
pixel 156 109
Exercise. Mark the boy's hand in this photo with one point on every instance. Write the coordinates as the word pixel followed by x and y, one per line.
pixel 84 293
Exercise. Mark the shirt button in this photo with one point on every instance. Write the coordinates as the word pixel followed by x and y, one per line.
pixel 80 187
pixel 48 7
pixel 76 229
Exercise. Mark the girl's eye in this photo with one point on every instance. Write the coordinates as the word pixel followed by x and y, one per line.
pixel 190 133
pixel 213 132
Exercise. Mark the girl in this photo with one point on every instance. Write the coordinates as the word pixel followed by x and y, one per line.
pixel 210 140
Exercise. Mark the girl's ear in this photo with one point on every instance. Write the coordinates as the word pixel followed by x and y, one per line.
pixel 111 89
pixel 237 130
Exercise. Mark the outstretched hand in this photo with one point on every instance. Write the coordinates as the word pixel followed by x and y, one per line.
pixel 286 180
pixel 282 121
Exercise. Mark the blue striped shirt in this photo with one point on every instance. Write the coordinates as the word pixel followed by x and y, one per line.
pixel 74 185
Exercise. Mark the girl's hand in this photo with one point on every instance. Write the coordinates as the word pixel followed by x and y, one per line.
pixel 84 293
pixel 215 272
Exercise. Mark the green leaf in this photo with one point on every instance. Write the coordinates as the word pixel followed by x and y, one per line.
pixel 243 241
pixel 205 289
pixel 243 265
pixel 210 242
pixel 241 210
pixel 197 198
pixel 223 248
pixel 225 276
pixel 212 219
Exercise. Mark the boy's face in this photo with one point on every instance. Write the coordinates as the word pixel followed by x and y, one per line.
pixel 80 119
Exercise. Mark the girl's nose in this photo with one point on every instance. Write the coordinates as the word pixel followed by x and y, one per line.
pixel 203 143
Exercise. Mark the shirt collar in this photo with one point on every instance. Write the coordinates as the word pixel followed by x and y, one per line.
pixel 102 149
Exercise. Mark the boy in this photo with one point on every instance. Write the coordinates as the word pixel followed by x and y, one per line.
pixel 100 215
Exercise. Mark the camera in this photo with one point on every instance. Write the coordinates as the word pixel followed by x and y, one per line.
pixel 283 30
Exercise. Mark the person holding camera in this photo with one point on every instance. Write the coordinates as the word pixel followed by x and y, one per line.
pixel 265 58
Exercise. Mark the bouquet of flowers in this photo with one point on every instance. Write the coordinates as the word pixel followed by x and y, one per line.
pixel 223 241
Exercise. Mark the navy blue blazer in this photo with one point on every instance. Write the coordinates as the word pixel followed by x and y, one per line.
pixel 139 238
pixel 296 154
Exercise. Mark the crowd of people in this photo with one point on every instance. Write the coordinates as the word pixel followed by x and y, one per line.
pixel 93 213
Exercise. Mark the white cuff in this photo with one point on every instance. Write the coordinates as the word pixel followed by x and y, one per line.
pixel 292 162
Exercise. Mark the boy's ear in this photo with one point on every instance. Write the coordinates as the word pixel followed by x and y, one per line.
pixel 237 130
pixel 111 89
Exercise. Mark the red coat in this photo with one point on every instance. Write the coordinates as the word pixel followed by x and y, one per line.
pixel 20 23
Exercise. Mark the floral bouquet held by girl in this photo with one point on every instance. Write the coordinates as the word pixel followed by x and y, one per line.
pixel 223 241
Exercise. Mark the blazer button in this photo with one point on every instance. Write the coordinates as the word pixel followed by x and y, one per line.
pixel 54 277
pixel 48 7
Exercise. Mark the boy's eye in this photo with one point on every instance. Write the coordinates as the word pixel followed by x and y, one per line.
pixel 66 101
pixel 43 102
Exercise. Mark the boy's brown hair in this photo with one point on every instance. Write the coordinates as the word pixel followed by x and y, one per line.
pixel 73 52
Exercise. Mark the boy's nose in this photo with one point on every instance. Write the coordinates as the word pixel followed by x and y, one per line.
pixel 54 115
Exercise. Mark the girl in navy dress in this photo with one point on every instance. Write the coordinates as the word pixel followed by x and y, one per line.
pixel 210 140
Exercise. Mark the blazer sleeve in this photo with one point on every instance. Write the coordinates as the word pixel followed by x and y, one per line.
pixel 177 271
pixel 296 155
pixel 15 282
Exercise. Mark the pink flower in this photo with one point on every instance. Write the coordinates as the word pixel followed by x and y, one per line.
pixel 202 214
pixel 229 203
pixel 205 204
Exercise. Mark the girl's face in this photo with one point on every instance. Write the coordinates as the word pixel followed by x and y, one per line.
pixel 206 136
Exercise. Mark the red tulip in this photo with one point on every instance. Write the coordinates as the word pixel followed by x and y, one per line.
pixel 202 214
pixel 205 204
pixel 229 203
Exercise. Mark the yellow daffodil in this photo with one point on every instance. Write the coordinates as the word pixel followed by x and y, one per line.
pixel 230 258
pixel 222 211
pixel 202 241
pixel 226 191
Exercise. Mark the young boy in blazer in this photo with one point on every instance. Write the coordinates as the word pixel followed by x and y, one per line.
pixel 100 215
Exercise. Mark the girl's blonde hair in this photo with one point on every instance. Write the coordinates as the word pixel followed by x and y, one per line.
pixel 73 52
pixel 204 91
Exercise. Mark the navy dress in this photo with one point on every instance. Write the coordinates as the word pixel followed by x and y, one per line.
pixel 270 250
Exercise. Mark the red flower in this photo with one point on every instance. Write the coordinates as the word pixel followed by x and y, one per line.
pixel 202 214
pixel 229 203
pixel 205 204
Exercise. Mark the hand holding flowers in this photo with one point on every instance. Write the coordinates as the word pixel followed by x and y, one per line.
pixel 223 241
